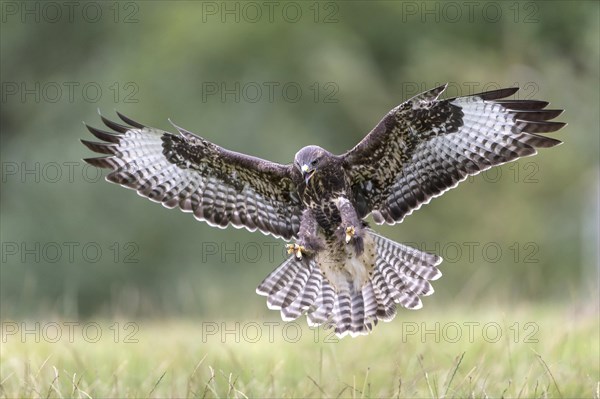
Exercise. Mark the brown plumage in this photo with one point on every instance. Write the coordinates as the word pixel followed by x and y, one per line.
pixel 340 273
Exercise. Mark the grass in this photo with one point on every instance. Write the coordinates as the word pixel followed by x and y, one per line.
pixel 532 352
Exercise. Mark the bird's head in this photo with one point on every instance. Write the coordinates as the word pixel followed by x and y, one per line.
pixel 309 159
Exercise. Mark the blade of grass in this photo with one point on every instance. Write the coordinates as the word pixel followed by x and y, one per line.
pixel 420 358
pixel 156 384
pixel 317 385
pixel 454 373
pixel 548 371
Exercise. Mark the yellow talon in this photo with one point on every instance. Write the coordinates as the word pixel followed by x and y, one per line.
pixel 290 248
pixel 350 231
pixel 299 250
pixel 295 248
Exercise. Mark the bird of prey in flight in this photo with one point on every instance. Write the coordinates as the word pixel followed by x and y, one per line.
pixel 340 272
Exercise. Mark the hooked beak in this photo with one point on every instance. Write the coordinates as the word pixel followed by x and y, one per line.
pixel 307 173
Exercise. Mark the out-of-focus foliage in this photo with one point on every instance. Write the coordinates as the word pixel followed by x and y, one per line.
pixel 526 232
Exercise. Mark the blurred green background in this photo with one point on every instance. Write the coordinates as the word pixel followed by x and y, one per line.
pixel 267 80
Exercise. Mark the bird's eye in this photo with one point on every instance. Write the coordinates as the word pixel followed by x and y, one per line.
pixel 314 162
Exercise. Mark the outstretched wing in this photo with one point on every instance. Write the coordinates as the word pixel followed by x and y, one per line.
pixel 218 186
pixel 426 146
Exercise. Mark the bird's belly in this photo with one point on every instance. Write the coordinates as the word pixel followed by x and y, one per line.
pixel 343 268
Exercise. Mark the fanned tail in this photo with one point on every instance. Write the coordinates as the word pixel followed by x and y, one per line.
pixel 400 275
pixel 293 287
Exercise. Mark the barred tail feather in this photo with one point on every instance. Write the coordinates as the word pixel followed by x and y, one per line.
pixel 371 306
pixel 342 313
pixel 386 308
pixel 278 284
pixel 306 298
pixel 400 275
pixel 321 313
pixel 358 314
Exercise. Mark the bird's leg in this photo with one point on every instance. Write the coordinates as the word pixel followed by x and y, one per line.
pixel 351 227
pixel 309 241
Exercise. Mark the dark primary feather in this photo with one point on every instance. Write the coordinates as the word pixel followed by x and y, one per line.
pixel 183 170
pixel 426 146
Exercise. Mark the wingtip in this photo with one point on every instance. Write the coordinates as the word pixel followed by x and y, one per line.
pixel 88 144
pixel 440 89
pixel 431 94
pixel 176 126
pixel 183 132
pixel 129 121
pixel 101 162
pixel 102 135
pixel 117 127
pixel 498 94
pixel 540 126
pixel 179 129
pixel 101 148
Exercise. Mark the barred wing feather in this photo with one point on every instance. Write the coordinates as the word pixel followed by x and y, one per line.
pixel 186 171
pixel 426 146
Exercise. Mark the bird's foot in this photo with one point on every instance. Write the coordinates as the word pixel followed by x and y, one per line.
pixel 352 235
pixel 350 232
pixel 310 247
pixel 295 249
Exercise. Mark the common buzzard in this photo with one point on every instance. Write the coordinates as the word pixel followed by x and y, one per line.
pixel 340 272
